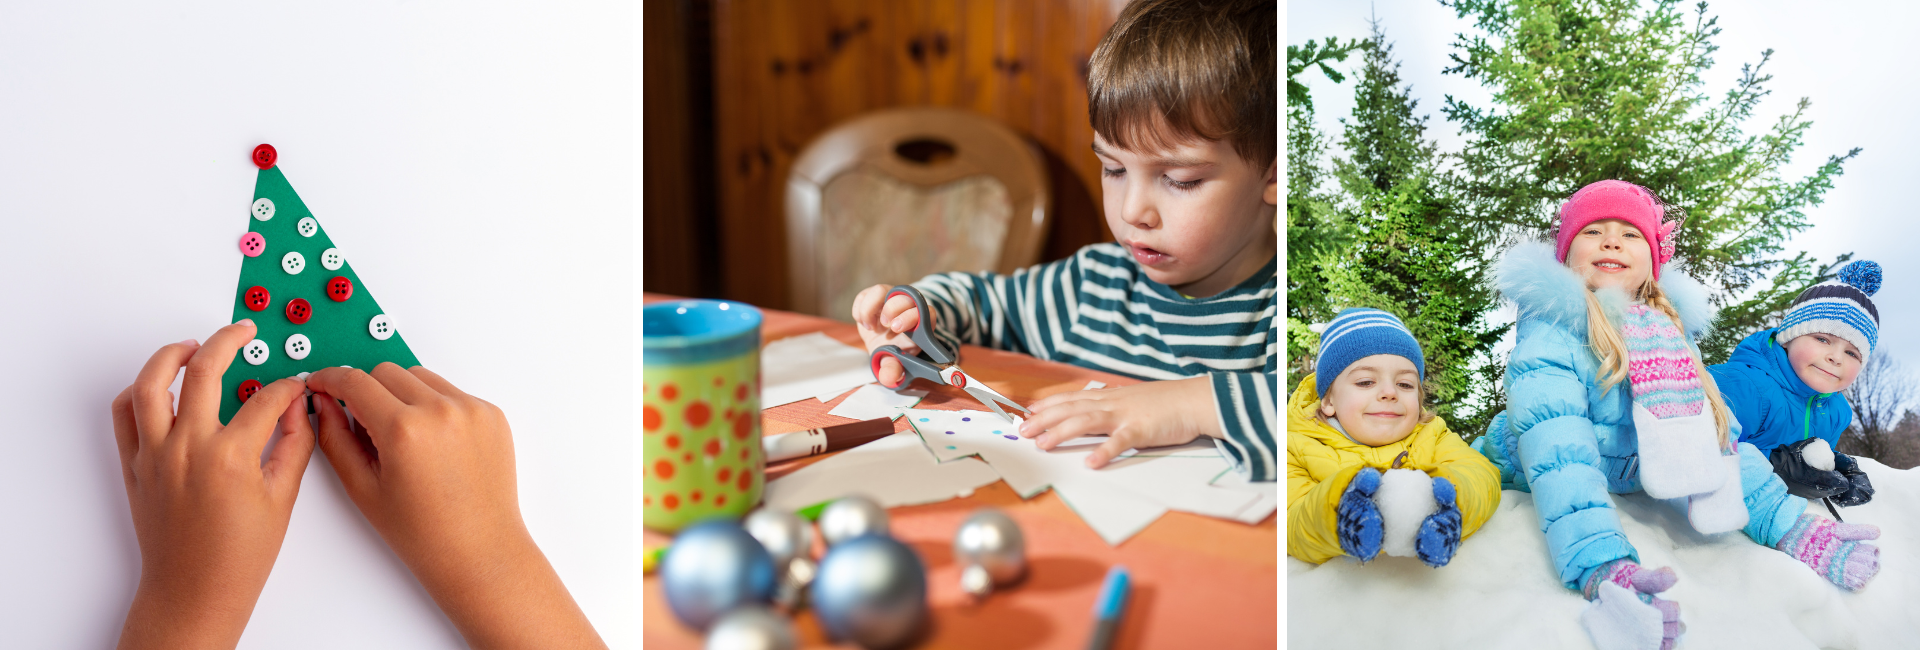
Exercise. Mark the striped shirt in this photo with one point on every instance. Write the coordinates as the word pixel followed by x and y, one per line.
pixel 1097 310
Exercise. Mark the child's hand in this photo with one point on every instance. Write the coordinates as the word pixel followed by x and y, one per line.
pixel 431 467
pixel 1625 610
pixel 884 324
pixel 210 517
pixel 1150 414
pixel 1860 490
pixel 1358 524
pixel 1439 535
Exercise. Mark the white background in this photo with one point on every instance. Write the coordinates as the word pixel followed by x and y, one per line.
pixel 1849 57
pixel 475 162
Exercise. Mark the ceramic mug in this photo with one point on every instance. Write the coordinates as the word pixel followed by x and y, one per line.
pixel 700 428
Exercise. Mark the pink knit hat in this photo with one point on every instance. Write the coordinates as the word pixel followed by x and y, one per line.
pixel 1611 199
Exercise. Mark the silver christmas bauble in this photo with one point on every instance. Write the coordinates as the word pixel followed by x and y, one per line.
pixel 784 534
pixel 713 567
pixel 871 590
pixel 751 628
pixel 790 594
pixel 991 549
pixel 851 517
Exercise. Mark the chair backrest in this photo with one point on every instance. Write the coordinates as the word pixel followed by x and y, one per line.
pixel 893 195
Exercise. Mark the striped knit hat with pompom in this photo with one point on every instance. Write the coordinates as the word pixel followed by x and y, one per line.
pixel 1840 307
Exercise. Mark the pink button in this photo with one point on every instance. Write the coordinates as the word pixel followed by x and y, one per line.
pixel 252 244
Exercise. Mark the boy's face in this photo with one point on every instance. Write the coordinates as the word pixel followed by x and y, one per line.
pixel 1827 363
pixel 1376 400
pixel 1610 253
pixel 1197 217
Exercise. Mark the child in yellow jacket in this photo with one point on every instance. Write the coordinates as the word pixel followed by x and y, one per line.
pixel 1368 470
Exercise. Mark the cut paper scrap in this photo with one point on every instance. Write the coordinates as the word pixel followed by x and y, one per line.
pixel 832 394
pixel 1266 496
pixel 809 365
pixel 1176 478
pixel 311 309
pixel 1115 516
pixel 874 401
pixel 1095 385
pixel 894 471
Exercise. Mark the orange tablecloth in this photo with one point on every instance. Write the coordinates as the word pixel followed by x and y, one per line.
pixel 1197 582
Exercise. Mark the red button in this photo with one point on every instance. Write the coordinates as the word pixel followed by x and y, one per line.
pixel 339 288
pixel 257 298
pixel 299 310
pixel 264 156
pixel 248 388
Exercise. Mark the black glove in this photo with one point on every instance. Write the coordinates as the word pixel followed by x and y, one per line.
pixel 1861 490
pixel 1805 480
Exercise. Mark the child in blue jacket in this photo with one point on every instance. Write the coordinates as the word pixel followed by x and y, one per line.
pixel 1606 394
pixel 1784 384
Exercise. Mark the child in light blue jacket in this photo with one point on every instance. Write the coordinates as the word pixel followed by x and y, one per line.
pixel 1606 394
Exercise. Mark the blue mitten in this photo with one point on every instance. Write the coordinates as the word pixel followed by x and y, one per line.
pixel 1358 519
pixel 1439 535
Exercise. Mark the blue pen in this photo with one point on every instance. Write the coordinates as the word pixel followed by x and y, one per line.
pixel 1107 610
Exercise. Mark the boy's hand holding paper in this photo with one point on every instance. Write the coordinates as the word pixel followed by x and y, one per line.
pixel 1148 414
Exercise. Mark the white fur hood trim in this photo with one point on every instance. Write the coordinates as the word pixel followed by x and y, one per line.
pixel 1542 287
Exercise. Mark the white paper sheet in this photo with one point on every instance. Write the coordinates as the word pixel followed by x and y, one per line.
pixel 1150 481
pixel 875 401
pixel 799 367
pixel 1115 516
pixel 1266 496
pixel 894 471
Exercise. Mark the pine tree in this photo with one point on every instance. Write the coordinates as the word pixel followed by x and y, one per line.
pixel 1595 89
pixel 1408 255
pixel 1314 231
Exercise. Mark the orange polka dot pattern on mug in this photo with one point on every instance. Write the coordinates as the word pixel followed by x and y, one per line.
pixel 700 432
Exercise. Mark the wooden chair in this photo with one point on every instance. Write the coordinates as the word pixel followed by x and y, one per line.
pixel 894 195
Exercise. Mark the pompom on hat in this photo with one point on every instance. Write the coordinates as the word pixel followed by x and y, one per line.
pixel 1842 307
pixel 1615 199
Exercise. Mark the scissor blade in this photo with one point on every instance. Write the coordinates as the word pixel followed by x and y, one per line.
pixel 993 400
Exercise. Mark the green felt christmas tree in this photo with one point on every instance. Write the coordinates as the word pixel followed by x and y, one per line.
pixel 310 308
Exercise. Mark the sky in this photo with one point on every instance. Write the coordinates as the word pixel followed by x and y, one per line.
pixel 1845 56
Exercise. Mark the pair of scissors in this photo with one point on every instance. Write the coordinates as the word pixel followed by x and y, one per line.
pixel 935 362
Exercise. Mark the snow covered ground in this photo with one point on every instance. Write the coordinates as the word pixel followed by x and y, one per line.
pixel 1500 592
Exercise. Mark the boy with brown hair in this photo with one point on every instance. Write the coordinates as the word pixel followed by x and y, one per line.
pixel 1181 96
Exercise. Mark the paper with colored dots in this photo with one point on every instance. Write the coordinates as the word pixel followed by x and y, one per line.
pixel 1117 500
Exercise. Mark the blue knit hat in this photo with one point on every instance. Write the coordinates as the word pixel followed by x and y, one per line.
pixel 1840 307
pixel 1358 333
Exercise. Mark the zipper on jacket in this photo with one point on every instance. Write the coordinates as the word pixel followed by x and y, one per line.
pixel 1806 427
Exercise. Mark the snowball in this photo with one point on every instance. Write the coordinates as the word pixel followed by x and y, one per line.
pixel 1619 621
pixel 1405 499
pixel 1818 455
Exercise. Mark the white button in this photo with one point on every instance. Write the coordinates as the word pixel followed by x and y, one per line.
pixel 256 352
pixel 381 327
pixel 332 258
pixel 308 226
pixel 298 346
pixel 303 376
pixel 263 209
pixel 294 263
